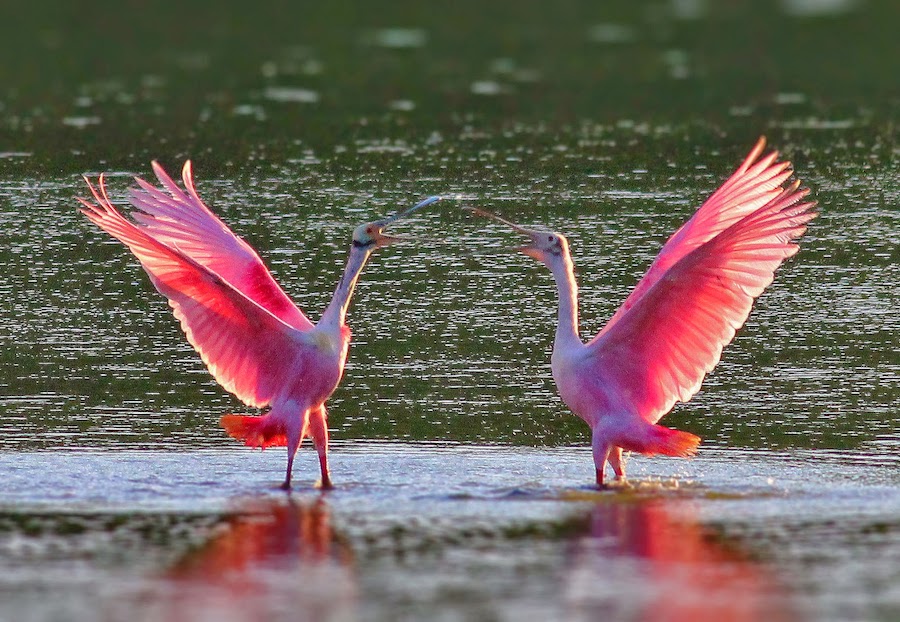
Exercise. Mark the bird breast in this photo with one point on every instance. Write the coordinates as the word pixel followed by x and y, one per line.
pixel 321 366
pixel 578 387
pixel 329 343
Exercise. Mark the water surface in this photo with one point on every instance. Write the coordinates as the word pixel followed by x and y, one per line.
pixel 486 532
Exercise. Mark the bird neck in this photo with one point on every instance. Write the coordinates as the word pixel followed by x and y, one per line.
pixel 336 312
pixel 567 325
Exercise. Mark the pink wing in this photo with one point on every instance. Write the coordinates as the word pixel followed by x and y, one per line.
pixel 662 346
pixel 250 351
pixel 753 184
pixel 181 220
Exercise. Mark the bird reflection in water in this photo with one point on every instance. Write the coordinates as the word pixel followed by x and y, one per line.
pixel 274 560
pixel 651 560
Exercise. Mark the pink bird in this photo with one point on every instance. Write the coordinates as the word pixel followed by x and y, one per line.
pixel 669 333
pixel 255 342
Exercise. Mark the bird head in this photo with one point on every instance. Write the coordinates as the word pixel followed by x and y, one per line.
pixel 371 235
pixel 545 246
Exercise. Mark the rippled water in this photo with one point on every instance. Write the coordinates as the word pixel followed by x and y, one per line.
pixel 491 533
pixel 463 481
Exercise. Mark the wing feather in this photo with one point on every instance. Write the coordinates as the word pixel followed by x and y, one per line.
pixel 755 183
pixel 659 349
pixel 181 219
pixel 251 352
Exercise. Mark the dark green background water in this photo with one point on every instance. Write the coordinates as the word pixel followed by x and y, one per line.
pixel 610 123
pixel 139 80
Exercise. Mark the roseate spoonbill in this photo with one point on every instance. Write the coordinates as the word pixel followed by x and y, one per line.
pixel 255 342
pixel 669 333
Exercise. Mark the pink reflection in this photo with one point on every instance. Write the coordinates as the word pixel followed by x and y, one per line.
pixel 651 560
pixel 271 560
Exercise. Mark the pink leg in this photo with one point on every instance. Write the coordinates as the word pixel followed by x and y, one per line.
pixel 601 449
pixel 293 446
pixel 616 462
pixel 318 423
pixel 295 433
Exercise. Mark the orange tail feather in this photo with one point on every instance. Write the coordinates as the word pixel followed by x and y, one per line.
pixel 256 431
pixel 670 442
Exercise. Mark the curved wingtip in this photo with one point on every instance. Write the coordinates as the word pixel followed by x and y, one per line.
pixel 754 154
pixel 164 178
pixel 187 176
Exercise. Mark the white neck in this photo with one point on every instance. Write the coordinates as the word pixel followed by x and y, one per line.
pixel 336 312
pixel 567 326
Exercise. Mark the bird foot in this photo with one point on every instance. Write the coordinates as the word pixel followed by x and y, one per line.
pixel 619 481
pixel 325 484
pixel 286 486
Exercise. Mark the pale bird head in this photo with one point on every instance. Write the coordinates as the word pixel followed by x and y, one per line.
pixel 371 235
pixel 545 246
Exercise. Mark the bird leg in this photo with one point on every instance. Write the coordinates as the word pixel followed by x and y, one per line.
pixel 323 466
pixel 601 468
pixel 616 462
pixel 294 436
pixel 286 485
pixel 601 448
pixel 293 446
pixel 318 423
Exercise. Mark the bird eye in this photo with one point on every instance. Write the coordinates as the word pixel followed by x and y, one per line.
pixel 549 238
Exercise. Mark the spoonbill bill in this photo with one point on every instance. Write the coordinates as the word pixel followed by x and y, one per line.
pixel 669 333
pixel 255 342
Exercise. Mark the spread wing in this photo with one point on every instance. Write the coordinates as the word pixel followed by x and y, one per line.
pixel 180 220
pixel 660 345
pixel 248 349
pixel 756 182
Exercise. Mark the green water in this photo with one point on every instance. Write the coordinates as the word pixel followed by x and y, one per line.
pixel 609 123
